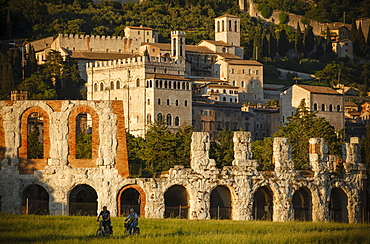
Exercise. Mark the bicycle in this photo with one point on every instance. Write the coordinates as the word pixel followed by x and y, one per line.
pixel 134 231
pixel 101 231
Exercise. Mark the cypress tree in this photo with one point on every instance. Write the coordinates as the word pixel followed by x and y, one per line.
pixel 298 45
pixel 329 44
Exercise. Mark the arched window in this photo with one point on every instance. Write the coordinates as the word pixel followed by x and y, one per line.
pixel 223 25
pixel 169 119
pixel 243 85
pixel 178 85
pixel 137 82
pixel 218 26
pixel 186 103
pixel 183 85
pixel 148 118
pixel 174 85
pixel 224 99
pixel 177 121
pixel 315 107
pixel 168 102
pixel 156 83
pixel 148 101
pixel 159 117
pixel 160 84
pixel 322 107
pixel 101 86
pixel 95 87
pixel 230 26
pixel 165 84
pixel 330 108
pixel 112 85
pixel 118 84
pixel 235 26
pixel 231 100
pixel 159 101
pixel 169 85
pixel 177 102
pixel 338 108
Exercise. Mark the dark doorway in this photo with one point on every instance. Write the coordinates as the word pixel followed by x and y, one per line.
pixel 262 205
pixel 130 198
pixel 83 201
pixel 35 200
pixel 221 203
pixel 338 206
pixel 302 204
pixel 176 202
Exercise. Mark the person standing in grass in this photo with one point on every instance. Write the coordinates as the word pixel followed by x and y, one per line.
pixel 133 219
pixel 106 219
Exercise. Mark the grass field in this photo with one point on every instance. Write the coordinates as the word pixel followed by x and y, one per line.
pixel 68 229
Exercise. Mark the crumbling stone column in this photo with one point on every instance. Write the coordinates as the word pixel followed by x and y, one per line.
pixel 199 152
pixel 318 151
pixel 355 171
pixel 243 150
pixel 282 157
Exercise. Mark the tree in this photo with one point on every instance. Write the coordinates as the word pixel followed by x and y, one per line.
pixel 35 148
pixel 283 43
pixel 183 142
pixel 298 44
pixel 262 151
pixel 84 146
pixel 302 126
pixel 222 149
pixel 309 40
pixel 158 151
pixel 6 77
pixel 37 88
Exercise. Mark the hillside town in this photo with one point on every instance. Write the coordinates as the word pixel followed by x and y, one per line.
pixel 134 81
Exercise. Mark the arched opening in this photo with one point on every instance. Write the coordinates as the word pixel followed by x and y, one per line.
pixel 35 136
pixel 118 84
pixel 302 204
pixel 112 85
pixel 221 203
pixel 176 202
pixel 83 136
pixel 131 198
pixel 83 201
pixel 169 119
pixel 177 121
pixel 35 200
pixel 338 206
pixel 262 205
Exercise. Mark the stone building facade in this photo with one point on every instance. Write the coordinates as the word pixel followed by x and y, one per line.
pixel 324 101
pixel 60 184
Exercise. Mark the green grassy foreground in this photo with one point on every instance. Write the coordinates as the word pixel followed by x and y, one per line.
pixel 68 229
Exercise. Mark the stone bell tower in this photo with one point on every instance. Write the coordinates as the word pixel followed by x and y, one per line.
pixel 227 29
pixel 178 44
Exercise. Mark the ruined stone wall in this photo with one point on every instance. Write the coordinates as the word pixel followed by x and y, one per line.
pixel 107 173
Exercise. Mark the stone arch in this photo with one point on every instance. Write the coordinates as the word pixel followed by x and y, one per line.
pixel 176 202
pixel 302 204
pixel 95 139
pixel 221 203
pixel 263 203
pixel 35 200
pixel 83 200
pixel 131 196
pixel 27 166
pixel 338 203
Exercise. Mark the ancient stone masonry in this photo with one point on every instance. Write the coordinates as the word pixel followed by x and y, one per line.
pixel 203 191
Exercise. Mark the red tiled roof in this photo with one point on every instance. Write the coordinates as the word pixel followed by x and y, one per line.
pixel 101 55
pixel 319 89
pixel 227 15
pixel 244 62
